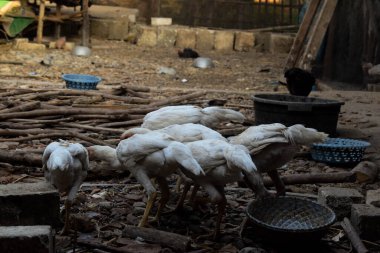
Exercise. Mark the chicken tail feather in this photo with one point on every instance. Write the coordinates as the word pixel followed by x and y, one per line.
pixel 300 135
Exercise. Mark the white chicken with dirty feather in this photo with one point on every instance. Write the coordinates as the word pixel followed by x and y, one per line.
pixel 104 154
pixel 155 155
pixel 182 133
pixel 273 145
pixel 65 166
pixel 181 114
pixel 223 163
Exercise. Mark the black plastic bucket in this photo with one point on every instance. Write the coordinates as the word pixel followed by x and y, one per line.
pixel 321 114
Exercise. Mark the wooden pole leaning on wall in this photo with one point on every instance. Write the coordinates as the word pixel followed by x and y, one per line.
pixel 40 26
pixel 311 33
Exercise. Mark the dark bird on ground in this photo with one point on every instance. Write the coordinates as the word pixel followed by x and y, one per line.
pixel 299 82
pixel 187 53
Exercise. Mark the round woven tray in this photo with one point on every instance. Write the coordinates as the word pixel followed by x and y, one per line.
pixel 81 82
pixel 290 216
pixel 339 151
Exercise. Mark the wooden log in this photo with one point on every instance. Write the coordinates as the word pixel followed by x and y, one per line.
pixel 175 241
pixel 20 158
pixel 133 122
pixel 177 99
pixel 353 236
pixel 64 111
pixel 106 118
pixel 104 248
pixel 23 107
pixel 319 178
pixel 95 129
pixel 55 93
pixel 14 92
pixel 17 132
pixel 40 121
pixel 60 134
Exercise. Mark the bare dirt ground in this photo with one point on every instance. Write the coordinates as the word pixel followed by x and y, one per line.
pixel 236 77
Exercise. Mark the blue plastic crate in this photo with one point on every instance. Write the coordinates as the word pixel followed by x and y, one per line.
pixel 81 82
pixel 338 151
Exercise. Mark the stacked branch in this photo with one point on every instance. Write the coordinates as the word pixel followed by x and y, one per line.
pixel 94 117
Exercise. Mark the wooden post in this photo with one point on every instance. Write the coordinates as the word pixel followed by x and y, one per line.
pixel 58 25
pixel 40 26
pixel 85 25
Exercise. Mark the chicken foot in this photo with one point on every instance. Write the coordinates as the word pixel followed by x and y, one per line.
pixel 277 181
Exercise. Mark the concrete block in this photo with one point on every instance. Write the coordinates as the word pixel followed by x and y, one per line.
pixel 373 198
pixel 280 43
pixel 21 239
pixel 30 47
pixel 99 28
pixel 262 41
pixel 18 41
pixel 186 38
pixel 373 87
pixel 166 36
pixel 29 204
pixel 244 41
pixel 224 40
pixel 366 220
pixel 205 39
pixel 339 200
pixel 147 36
pixel 118 29
pixel 158 21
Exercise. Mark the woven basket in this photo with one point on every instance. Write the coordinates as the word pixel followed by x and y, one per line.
pixel 81 82
pixel 290 218
pixel 339 151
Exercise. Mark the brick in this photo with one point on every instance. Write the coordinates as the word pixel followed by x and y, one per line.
pixel 166 36
pixel 29 204
pixel 186 38
pixel 244 41
pixel 339 199
pixel 147 36
pixel 156 21
pixel 373 198
pixel 205 39
pixel 18 41
pixel 280 43
pixel 366 220
pixel 20 239
pixel 224 40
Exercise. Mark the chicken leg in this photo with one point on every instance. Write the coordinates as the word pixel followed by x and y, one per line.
pixel 163 184
pixel 277 181
pixel 66 226
pixel 143 179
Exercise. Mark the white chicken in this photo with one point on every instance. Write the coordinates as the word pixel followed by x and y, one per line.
pixel 155 155
pixel 209 116
pixel 273 145
pixel 223 163
pixel 104 154
pixel 182 133
pixel 65 166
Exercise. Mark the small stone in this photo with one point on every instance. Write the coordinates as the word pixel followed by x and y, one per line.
pixel 373 198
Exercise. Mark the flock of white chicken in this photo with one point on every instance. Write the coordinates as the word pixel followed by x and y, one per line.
pixel 179 139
